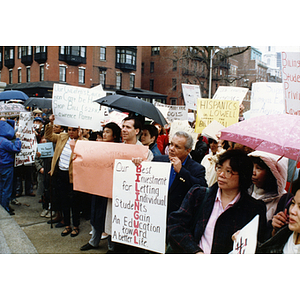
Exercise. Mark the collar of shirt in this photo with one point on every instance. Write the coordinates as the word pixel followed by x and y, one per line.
pixel 230 204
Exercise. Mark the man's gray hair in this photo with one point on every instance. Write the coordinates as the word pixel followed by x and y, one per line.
pixel 189 139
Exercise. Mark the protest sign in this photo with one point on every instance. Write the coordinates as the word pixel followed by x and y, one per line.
pixel 74 106
pixel 190 94
pixel 94 163
pixel 116 117
pixel 178 125
pixel 139 204
pixel 212 130
pixel 230 93
pixel 267 99
pixel 291 81
pixel 46 149
pixel 28 139
pixel 226 112
pixel 174 112
pixel 246 239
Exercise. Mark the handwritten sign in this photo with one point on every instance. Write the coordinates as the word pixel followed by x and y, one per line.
pixel 291 81
pixel 174 112
pixel 74 106
pixel 190 94
pixel 246 240
pixel 226 112
pixel 267 99
pixel 94 164
pixel 139 210
pixel 230 93
pixel 46 149
pixel 28 139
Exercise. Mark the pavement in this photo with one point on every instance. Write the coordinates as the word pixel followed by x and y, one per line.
pixel 28 233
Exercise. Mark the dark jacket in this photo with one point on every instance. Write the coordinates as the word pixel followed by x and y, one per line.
pixel 233 219
pixel 8 149
pixel 275 244
pixel 190 174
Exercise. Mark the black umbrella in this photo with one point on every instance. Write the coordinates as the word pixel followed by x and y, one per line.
pixel 135 105
pixel 38 102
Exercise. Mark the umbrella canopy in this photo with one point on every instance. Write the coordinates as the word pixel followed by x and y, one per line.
pixel 135 105
pixel 13 94
pixel 11 109
pixel 39 102
pixel 277 134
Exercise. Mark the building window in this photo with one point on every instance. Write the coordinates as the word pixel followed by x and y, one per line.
pixel 126 58
pixel 40 49
pixel 102 53
pixel 174 65
pixel 102 78
pixel 174 84
pixel 151 67
pixel 151 88
pixel 173 101
pixel 19 75
pixel 143 68
pixel 119 81
pixel 28 74
pixel 62 73
pixel 42 72
pixel 131 81
pixel 81 75
pixel 19 52
pixel 10 74
pixel 155 50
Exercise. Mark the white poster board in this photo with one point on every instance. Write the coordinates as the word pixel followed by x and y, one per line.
pixel 230 93
pixel 174 112
pixel 74 106
pixel 267 99
pixel 190 94
pixel 184 125
pixel 46 149
pixel 246 240
pixel 139 204
pixel 291 81
pixel 28 140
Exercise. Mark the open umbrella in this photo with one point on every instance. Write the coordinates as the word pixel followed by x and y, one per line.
pixel 38 102
pixel 135 105
pixel 277 134
pixel 13 94
pixel 10 110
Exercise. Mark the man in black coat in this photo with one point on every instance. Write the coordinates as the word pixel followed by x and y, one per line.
pixel 185 172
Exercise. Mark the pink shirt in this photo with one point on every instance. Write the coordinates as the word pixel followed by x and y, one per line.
pixel 207 237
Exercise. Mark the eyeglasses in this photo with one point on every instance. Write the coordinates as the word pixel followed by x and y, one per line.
pixel 227 172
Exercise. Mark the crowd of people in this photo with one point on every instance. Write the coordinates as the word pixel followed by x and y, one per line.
pixel 215 188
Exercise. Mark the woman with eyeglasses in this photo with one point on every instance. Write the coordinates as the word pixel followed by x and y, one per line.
pixel 205 222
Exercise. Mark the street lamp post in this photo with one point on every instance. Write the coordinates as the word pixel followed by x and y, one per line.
pixel 210 70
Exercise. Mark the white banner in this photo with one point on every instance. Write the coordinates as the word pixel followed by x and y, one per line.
pixel 190 94
pixel 230 93
pixel 139 210
pixel 174 112
pixel 74 106
pixel 291 81
pixel 28 139
pixel 267 99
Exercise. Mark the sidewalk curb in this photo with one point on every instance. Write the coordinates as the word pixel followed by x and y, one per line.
pixel 13 240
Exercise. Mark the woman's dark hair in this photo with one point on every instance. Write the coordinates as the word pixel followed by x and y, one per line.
pixel 239 162
pixel 152 131
pixel 210 140
pixel 270 184
pixel 116 131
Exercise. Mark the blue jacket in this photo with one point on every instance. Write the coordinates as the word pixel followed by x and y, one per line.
pixel 155 150
pixel 7 147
